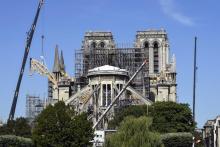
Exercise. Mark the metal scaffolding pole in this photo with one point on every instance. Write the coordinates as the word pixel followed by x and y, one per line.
pixel 194 80
pixel 119 94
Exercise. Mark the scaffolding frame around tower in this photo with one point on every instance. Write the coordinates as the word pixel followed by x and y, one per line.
pixel 124 58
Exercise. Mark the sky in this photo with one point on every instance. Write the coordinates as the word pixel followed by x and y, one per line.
pixel 65 22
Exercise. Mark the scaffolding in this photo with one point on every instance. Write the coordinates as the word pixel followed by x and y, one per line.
pixel 124 58
pixel 34 105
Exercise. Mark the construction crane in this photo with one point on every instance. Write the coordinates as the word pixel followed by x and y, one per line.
pixel 29 38
pixel 119 94
pixel 40 68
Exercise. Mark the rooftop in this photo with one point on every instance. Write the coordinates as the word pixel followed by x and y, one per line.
pixel 107 70
pixel 98 33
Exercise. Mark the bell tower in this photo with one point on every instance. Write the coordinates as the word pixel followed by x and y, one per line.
pixel 162 71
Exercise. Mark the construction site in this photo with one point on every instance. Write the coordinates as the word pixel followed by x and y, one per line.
pixel 102 70
pixel 107 77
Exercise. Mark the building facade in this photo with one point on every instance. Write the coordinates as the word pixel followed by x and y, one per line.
pixel 157 80
pixel 102 69
pixel 211 132
pixel 63 89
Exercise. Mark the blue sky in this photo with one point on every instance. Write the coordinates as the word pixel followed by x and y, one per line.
pixel 65 22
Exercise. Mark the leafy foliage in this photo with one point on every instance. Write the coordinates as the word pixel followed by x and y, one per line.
pixel 18 127
pixel 172 117
pixel 167 116
pixel 58 126
pixel 177 139
pixel 136 111
pixel 134 132
pixel 15 141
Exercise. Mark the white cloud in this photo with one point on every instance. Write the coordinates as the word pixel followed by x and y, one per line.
pixel 169 8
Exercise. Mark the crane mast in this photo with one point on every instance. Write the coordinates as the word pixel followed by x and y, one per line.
pixel 29 38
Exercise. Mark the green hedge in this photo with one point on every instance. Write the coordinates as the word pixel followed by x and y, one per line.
pixel 15 141
pixel 177 139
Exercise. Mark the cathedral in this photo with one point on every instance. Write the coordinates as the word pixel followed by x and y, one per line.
pixel 102 70
pixel 157 81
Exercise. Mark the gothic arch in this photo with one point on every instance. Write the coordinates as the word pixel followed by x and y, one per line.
pixel 156 44
pixel 156 41
pixel 102 44
pixel 146 44
pixel 93 45
pixel 145 41
pixel 156 56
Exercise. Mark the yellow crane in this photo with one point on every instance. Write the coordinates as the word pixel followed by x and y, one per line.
pixel 40 68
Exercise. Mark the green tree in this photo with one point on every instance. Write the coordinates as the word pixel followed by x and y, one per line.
pixel 136 111
pixel 180 139
pixel 167 116
pixel 134 132
pixel 58 126
pixel 22 128
pixel 15 141
pixel 18 127
pixel 172 117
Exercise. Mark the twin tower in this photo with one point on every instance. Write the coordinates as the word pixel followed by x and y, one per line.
pixel 102 69
pixel 156 82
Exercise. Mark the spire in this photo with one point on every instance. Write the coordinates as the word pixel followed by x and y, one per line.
pixel 56 65
pixel 62 64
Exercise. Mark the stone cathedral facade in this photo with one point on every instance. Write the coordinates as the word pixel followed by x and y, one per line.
pixel 162 67
pixel 156 82
pixel 102 72
pixel 100 54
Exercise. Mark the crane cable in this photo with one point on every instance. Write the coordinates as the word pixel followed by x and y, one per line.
pixel 42 56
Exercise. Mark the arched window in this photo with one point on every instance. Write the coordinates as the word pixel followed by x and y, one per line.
pixel 146 49
pixel 106 94
pixel 146 45
pixel 145 54
pixel 102 45
pixel 156 58
pixel 93 45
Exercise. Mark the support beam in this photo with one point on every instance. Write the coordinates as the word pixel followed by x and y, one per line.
pixel 119 94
